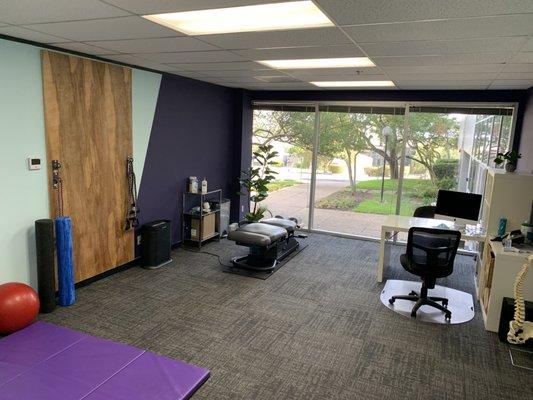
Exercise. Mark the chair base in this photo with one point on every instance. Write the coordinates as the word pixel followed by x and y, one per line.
pixel 423 299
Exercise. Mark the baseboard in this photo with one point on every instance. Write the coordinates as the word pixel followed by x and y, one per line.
pixel 133 263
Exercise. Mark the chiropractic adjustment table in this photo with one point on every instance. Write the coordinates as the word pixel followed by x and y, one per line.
pixel 270 241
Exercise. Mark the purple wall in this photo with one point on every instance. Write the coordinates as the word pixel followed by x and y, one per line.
pixel 193 133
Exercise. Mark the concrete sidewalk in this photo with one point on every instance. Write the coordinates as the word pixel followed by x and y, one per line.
pixel 293 201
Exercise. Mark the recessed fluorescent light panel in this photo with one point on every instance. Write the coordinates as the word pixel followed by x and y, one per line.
pixel 354 84
pixel 306 63
pixel 262 17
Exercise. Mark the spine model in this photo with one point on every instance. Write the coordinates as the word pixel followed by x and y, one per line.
pixel 520 330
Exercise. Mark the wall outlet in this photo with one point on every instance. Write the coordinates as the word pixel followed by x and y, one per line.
pixel 139 240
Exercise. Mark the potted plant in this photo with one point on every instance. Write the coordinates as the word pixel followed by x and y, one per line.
pixel 510 158
pixel 254 181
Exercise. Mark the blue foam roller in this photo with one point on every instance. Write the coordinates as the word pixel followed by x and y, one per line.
pixel 65 261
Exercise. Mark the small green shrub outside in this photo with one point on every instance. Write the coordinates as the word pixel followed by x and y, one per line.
pixel 377 171
pixel 445 168
pixel 334 169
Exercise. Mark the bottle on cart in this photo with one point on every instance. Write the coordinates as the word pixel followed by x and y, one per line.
pixel 204 186
pixel 193 184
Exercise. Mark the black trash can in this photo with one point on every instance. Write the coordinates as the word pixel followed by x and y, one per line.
pixel 156 244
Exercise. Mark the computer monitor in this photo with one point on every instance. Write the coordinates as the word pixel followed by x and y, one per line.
pixel 462 208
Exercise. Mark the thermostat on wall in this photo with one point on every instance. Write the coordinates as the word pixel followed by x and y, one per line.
pixel 34 163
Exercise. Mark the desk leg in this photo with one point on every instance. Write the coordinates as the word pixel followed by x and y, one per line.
pixel 384 254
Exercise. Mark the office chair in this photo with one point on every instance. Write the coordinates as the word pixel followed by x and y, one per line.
pixel 425 212
pixel 430 254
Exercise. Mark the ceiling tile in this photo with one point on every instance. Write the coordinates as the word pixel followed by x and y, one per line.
pixel 137 61
pixel 516 76
pixel 224 66
pixel 27 34
pixel 192 57
pixel 345 77
pixel 230 80
pixel 84 48
pixel 525 57
pixel 229 74
pixel 125 58
pixel 507 25
pixel 350 12
pixel 170 44
pixel 524 83
pixel 23 12
pixel 106 29
pixel 518 68
pixel 334 71
pixel 281 86
pixel 485 76
pixel 529 44
pixel 449 59
pixel 511 84
pixel 440 69
pixel 165 6
pixel 431 84
pixel 439 47
pixel 289 38
pixel 276 78
pixel 188 74
pixel 302 52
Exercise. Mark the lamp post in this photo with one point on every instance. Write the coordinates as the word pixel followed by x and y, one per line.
pixel 386 132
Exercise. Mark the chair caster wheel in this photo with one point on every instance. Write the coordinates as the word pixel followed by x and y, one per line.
pixel 445 303
pixel 413 293
pixel 448 317
pixel 391 301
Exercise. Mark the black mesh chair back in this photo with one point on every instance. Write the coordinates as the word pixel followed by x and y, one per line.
pixel 425 212
pixel 431 252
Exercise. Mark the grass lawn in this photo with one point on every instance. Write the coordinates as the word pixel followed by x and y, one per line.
pixel 282 183
pixel 368 198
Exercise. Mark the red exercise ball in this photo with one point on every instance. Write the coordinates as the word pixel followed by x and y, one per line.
pixel 19 305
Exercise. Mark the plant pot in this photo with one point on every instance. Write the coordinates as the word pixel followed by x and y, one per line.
pixel 509 167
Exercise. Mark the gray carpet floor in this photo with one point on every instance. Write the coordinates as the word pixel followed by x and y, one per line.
pixel 316 329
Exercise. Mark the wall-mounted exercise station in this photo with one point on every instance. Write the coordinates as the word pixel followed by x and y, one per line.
pixel 89 232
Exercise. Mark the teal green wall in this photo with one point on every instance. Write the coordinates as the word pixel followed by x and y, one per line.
pixel 24 193
pixel 145 89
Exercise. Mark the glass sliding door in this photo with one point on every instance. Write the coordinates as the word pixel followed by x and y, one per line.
pixel 432 158
pixel 344 168
pixel 451 148
pixel 358 163
pixel 290 130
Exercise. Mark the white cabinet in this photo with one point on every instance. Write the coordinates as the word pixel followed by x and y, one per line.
pixel 495 281
pixel 510 196
pixel 506 195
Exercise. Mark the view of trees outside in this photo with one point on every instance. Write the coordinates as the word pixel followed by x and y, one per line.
pixel 353 158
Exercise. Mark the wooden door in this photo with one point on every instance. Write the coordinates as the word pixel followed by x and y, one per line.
pixel 88 128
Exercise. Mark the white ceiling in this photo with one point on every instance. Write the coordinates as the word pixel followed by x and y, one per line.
pixel 419 44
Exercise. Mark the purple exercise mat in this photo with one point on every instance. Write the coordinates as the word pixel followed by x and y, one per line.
pixel 47 362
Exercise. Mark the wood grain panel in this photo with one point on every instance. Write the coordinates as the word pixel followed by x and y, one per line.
pixel 89 130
